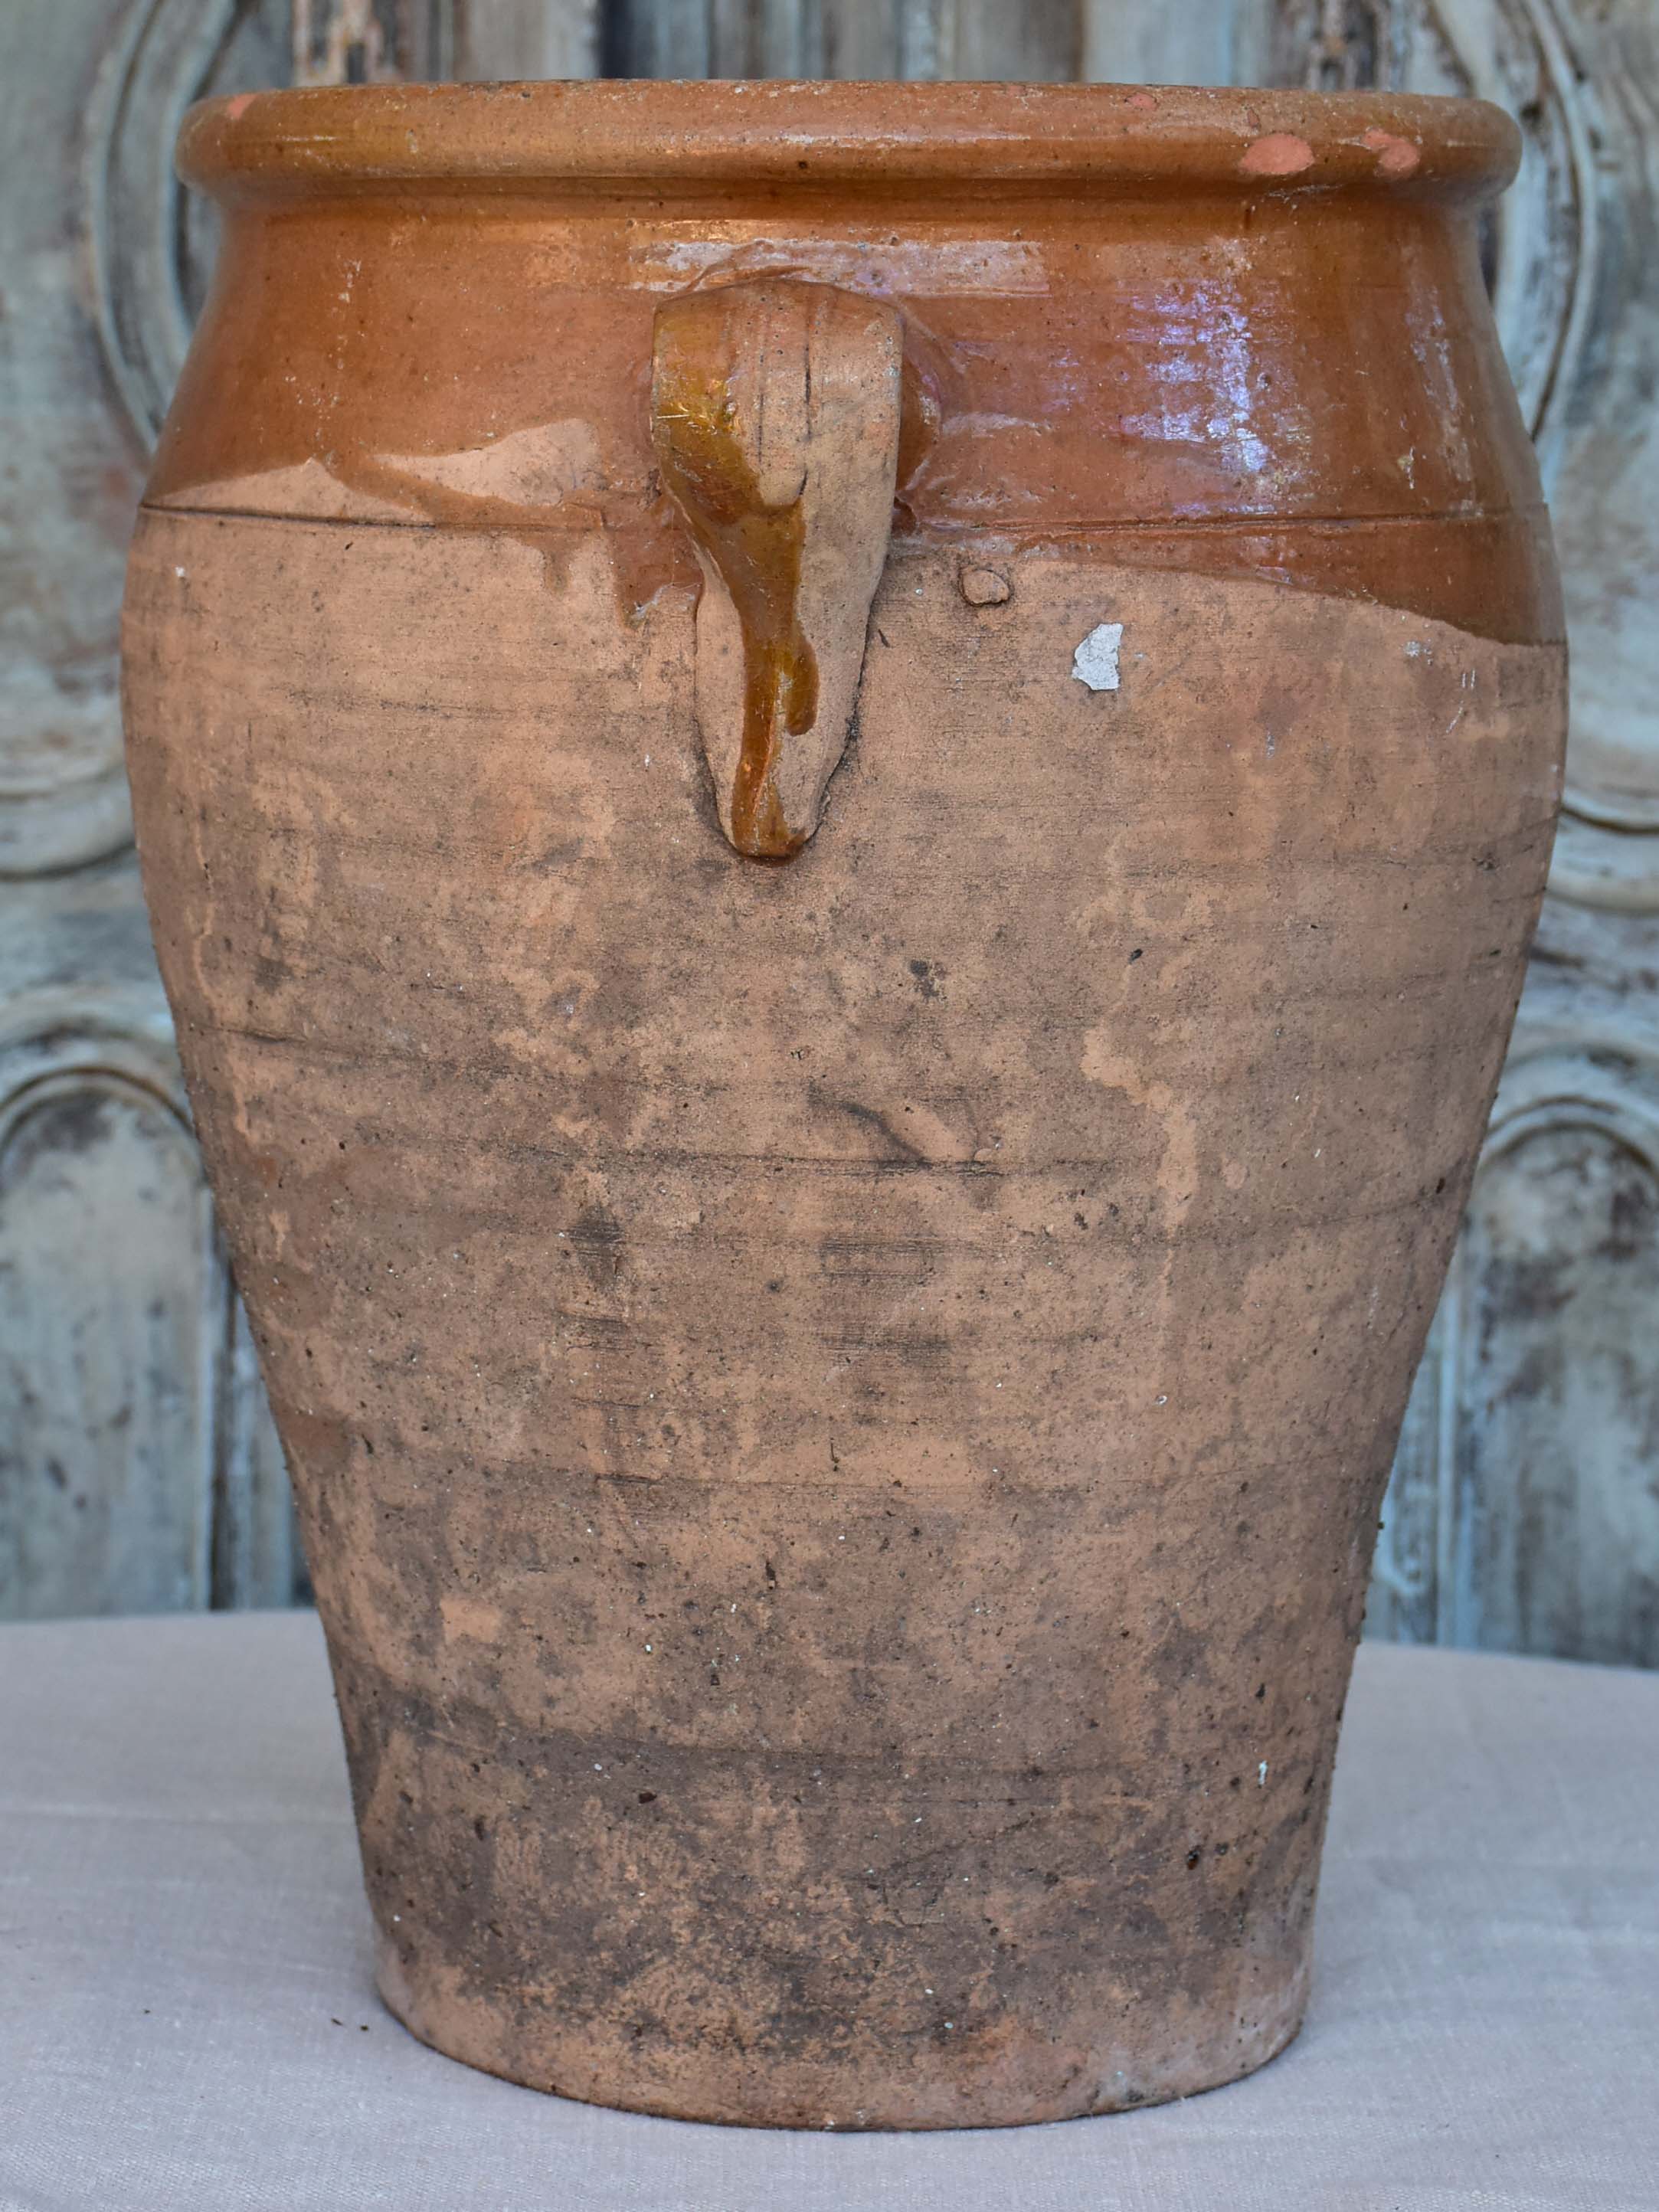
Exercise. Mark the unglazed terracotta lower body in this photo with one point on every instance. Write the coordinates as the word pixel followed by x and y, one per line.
pixel 839 1409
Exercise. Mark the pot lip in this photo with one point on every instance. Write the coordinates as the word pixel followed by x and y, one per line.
pixel 616 137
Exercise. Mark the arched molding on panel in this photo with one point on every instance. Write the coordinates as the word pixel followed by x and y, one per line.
pixel 139 1467
pixel 1524 1513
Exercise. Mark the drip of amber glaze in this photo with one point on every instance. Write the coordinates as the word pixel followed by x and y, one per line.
pixel 775 416
pixel 754 546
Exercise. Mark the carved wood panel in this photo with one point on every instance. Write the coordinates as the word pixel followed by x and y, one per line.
pixel 1526 1515
pixel 851 39
pixel 139 1467
pixel 1522 1512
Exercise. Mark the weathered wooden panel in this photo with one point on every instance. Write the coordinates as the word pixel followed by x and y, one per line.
pixel 1126 42
pixel 139 1467
pixel 69 471
pixel 123 1441
pixel 848 39
pixel 505 39
pixel 105 265
pixel 1531 1523
pixel 257 1558
pixel 1559 1401
pixel 1411 1569
pixel 372 42
pixel 107 1268
pixel 138 1463
pixel 1521 1511
pixel 124 1377
pixel 1532 1482
pixel 1600 444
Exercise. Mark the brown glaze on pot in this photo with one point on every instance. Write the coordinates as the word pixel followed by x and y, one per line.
pixel 775 413
pixel 839 1403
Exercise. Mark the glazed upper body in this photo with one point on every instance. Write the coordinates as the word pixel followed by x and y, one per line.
pixel 1235 325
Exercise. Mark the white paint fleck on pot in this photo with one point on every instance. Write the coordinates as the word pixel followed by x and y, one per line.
pixel 1095 661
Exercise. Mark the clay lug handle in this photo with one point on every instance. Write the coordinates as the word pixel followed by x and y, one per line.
pixel 774 411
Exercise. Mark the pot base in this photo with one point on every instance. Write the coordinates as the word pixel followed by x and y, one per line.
pixel 1010 2081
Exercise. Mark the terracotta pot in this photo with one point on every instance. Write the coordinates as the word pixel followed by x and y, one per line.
pixel 843 788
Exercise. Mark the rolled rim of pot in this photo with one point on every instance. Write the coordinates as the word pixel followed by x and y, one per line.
pixel 651 139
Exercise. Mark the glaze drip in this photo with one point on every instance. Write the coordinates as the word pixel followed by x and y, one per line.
pixel 754 547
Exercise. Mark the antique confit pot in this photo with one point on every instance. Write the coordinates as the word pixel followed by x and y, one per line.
pixel 843 788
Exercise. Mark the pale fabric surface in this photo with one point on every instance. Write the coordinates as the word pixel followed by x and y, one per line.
pixel 181 1926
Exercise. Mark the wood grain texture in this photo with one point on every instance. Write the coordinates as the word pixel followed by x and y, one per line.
pixel 106 265
pixel 139 1467
pixel 1525 1512
pixel 69 473
pixel 138 1464
pixel 103 1205
pixel 1520 1512
pixel 1122 42
pixel 846 39
pixel 1556 1328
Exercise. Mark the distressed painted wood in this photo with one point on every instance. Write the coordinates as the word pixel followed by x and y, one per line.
pixel 1123 43
pixel 848 39
pixel 1526 1509
pixel 139 1467
pixel 107 1499
pixel 70 473
pixel 1521 1513
pixel 128 1414
pixel 1561 1269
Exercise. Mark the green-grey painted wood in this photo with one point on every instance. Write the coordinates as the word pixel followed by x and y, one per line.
pixel 138 1466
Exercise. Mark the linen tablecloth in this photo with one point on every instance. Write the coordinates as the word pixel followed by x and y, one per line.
pixel 187 2022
